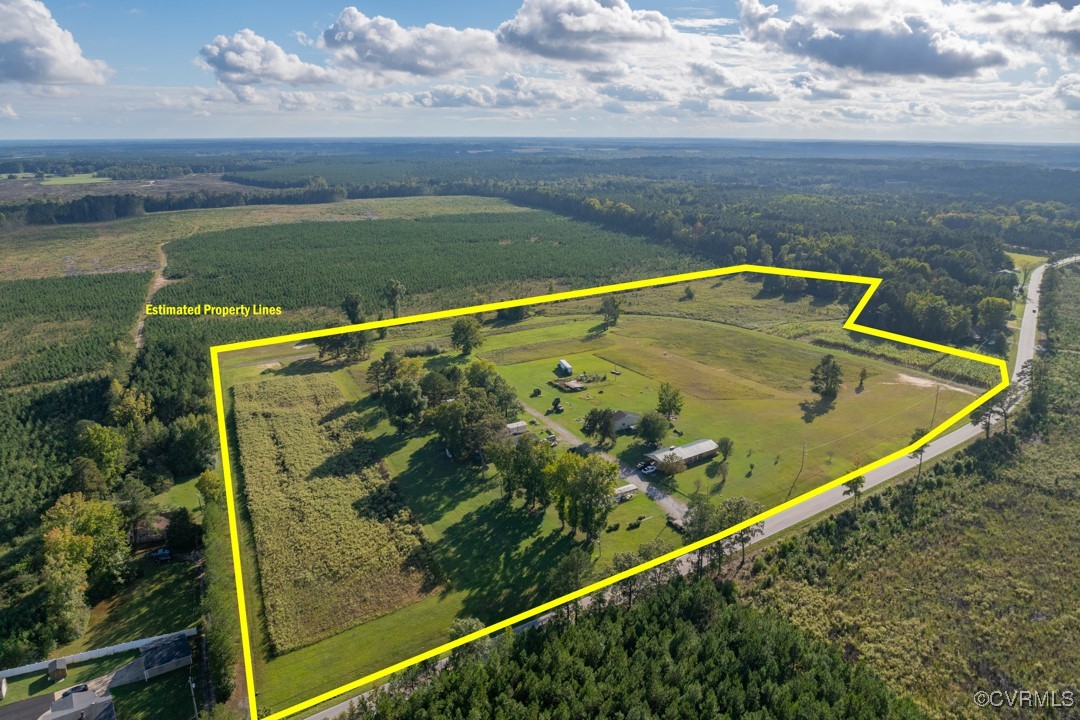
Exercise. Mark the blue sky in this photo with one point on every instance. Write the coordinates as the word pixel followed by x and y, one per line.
pixel 981 70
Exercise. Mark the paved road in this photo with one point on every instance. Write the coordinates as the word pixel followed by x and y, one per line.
pixel 832 498
pixel 670 504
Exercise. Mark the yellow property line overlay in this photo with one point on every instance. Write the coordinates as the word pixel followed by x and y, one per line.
pixel 872 284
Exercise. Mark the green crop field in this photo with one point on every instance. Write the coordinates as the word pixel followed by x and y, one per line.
pixel 57 328
pixel 39 251
pixel 336 546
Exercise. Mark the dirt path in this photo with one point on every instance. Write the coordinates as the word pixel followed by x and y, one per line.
pixel 156 283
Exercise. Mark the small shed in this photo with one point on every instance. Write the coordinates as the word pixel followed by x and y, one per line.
pixel 624 493
pixel 517 428
pixel 165 655
pixel 625 420
pixel 564 368
pixel 57 669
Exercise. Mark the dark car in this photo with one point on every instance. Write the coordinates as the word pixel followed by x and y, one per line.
pixel 75 689
pixel 161 555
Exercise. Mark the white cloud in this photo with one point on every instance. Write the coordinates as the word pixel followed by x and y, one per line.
pixel 703 23
pixel 582 29
pixel 8 113
pixel 1067 90
pixel 34 49
pixel 872 38
pixel 247 59
pixel 379 44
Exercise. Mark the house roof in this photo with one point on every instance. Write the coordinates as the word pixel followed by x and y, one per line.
pixel 626 489
pixel 563 363
pixel 165 651
pixel 686 452
pixel 624 415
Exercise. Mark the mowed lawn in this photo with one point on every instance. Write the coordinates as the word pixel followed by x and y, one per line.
pixel 751 387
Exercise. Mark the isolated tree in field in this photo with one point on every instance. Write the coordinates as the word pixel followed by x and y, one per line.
pixel 611 309
pixel 652 428
pixel 736 510
pixel 918 453
pixel 600 423
pixel 863 374
pixel 465 335
pixel 669 400
pixel 688 293
pixel 725 446
pixel 671 465
pixel 992 314
pixel 854 488
pixel 826 377
pixel 404 403
pixel 393 293
pixel 351 307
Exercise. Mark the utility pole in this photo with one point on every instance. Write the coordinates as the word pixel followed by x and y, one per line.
pixel 934 416
pixel 191 684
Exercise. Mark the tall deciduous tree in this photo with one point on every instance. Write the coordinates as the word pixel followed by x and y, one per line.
pixel 600 423
pixel 669 400
pixel 611 309
pixel 393 293
pixel 652 428
pixel 465 335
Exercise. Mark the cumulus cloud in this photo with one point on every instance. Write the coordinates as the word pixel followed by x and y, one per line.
pixel 34 49
pixel 1067 90
pixel 712 74
pixel 871 39
pixel 248 59
pixel 380 44
pixel 582 29
pixel 512 91
pixel 8 113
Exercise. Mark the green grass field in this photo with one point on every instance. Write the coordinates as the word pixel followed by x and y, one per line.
pixel 167 697
pixel 745 384
pixel 31 685
pixel 163 600
pixel 44 251
pixel 76 179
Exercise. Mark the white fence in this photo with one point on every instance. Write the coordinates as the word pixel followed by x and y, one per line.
pixel 92 654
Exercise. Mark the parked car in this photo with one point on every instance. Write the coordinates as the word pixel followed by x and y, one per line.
pixel 649 470
pixel 76 689
pixel 642 464
pixel 161 555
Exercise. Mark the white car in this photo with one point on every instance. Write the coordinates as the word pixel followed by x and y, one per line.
pixel 648 470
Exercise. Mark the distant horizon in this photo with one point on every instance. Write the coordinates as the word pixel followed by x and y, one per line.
pixel 950 71
pixel 559 138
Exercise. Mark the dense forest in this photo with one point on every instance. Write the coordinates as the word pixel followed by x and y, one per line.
pixel 685 649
